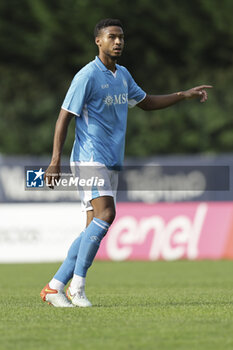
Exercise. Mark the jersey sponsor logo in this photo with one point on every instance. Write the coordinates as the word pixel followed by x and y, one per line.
pixel 116 99
pixel 108 101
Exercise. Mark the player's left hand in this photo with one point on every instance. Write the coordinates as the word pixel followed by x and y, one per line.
pixel 198 91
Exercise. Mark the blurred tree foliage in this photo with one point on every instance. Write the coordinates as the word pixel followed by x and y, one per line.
pixel 170 46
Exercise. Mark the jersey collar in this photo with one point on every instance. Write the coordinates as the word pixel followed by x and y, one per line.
pixel 100 64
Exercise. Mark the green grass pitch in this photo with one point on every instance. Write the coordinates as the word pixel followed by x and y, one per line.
pixel 136 305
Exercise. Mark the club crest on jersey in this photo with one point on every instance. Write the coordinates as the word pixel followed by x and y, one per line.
pixel 125 83
pixel 116 99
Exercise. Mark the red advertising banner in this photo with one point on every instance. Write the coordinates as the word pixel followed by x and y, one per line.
pixel 168 231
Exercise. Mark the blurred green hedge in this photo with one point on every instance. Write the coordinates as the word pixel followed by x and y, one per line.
pixel 170 46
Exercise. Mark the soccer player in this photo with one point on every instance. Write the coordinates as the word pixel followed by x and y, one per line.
pixel 99 97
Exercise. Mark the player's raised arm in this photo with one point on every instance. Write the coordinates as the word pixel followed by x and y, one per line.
pixel 53 171
pixel 152 102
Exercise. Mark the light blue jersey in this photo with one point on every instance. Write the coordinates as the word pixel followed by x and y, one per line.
pixel 100 100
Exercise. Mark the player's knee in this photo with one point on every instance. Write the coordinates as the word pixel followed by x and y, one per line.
pixel 108 215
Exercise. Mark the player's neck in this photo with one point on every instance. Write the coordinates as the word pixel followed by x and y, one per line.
pixel 108 62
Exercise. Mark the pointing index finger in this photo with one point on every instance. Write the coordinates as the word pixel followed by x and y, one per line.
pixel 204 87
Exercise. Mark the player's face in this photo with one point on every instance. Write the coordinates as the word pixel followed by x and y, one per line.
pixel 111 41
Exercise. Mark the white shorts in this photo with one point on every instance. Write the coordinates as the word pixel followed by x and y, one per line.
pixel 102 182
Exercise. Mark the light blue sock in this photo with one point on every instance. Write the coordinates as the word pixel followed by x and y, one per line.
pixel 66 270
pixel 89 245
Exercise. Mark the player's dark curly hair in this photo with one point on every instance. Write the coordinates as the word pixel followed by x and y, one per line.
pixel 104 23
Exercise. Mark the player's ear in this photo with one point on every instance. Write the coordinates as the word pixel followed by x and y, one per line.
pixel 98 41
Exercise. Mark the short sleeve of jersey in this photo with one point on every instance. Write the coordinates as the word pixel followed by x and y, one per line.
pixel 77 94
pixel 135 93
